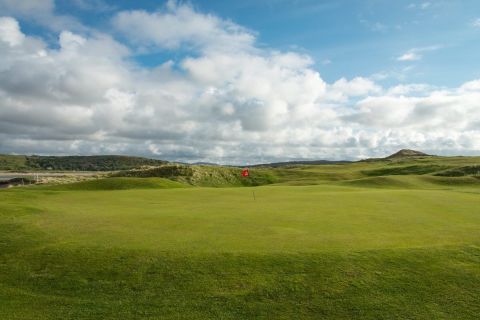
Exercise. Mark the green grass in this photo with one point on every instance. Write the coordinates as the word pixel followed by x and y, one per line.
pixel 324 242
pixel 116 183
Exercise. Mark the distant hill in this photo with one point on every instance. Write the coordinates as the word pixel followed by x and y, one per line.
pixel 204 164
pixel 403 154
pixel 293 163
pixel 406 153
pixel 75 163
pixel 117 162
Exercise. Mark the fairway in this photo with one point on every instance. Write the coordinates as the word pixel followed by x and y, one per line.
pixel 322 251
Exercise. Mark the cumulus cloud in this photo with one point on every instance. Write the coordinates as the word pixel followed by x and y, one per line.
pixel 343 89
pixel 10 31
pixel 411 88
pixel 454 110
pixel 181 24
pixel 86 95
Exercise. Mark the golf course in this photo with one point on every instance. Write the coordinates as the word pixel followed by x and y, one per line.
pixel 391 238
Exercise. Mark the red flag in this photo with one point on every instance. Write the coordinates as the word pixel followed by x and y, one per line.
pixel 245 172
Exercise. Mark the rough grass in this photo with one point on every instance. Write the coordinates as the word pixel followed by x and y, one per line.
pixel 461 171
pixel 204 176
pixel 405 170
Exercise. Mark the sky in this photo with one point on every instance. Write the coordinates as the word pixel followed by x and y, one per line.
pixel 239 82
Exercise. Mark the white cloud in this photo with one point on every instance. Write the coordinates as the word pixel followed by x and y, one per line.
pixel 417 53
pixel 438 111
pixel 342 89
pixel 470 86
pixel 409 56
pixel 476 23
pixel 408 89
pixel 41 12
pixel 28 7
pixel 178 25
pixel 10 31
pixel 85 95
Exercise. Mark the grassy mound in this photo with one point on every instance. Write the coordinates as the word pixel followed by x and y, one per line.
pixel 413 182
pixel 205 176
pixel 379 182
pixel 461 171
pixel 452 181
pixel 405 170
pixel 121 184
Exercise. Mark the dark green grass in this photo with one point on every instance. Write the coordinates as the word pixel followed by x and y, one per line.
pixel 461 171
pixel 92 283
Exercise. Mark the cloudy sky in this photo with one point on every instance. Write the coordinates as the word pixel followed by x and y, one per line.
pixel 239 81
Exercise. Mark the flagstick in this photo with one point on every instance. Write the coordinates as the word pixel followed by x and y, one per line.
pixel 253 192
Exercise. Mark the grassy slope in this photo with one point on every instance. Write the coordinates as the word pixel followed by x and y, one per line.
pixel 421 169
pixel 343 246
pixel 204 176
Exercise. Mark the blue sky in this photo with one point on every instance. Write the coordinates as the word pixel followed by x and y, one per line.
pixel 239 81
pixel 347 38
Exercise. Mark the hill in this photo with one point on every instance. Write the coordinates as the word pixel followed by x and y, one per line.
pixel 414 164
pixel 407 153
pixel 117 162
pixel 75 163
pixel 299 162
